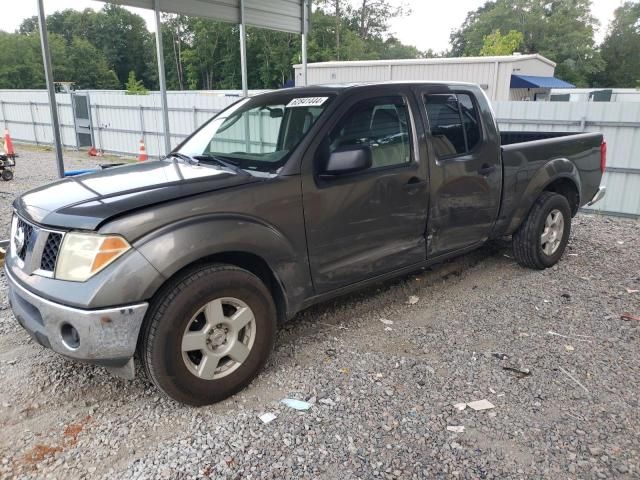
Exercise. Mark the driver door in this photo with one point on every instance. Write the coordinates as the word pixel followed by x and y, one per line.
pixel 363 224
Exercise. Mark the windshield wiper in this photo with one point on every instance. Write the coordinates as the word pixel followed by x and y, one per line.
pixel 182 156
pixel 221 161
pixel 195 160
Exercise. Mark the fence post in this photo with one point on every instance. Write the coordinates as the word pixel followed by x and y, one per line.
pixel 142 125
pixel 583 123
pixel 100 147
pixel 33 123
pixel 195 118
pixel 4 115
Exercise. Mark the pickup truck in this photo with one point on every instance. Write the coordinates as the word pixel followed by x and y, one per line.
pixel 281 201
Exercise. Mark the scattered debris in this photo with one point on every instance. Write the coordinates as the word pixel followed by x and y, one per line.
pixel 413 300
pixel 500 395
pixel 330 352
pixel 566 295
pixel 11 362
pixel 386 322
pixel 573 254
pixel 572 337
pixel 481 405
pixel 620 242
pixel 569 348
pixel 492 391
pixel 500 356
pixel 267 417
pixel 339 327
pixel 574 379
pixel 388 329
pixel 627 317
pixel 460 406
pixel 296 404
pixel 631 290
pixel 327 401
pixel 455 428
pixel 520 372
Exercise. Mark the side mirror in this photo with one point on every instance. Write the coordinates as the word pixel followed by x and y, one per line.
pixel 348 159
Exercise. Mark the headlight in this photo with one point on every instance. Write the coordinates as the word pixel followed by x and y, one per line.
pixel 82 255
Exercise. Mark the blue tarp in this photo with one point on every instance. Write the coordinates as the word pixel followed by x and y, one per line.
pixel 531 81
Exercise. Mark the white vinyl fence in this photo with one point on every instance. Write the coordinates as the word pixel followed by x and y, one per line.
pixel 620 124
pixel 119 121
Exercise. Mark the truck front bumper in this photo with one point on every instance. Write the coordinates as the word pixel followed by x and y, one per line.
pixel 106 337
pixel 602 191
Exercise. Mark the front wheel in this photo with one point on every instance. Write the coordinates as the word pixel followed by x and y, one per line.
pixel 208 334
pixel 543 236
pixel 7 175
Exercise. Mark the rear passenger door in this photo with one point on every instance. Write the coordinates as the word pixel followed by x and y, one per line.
pixel 465 171
pixel 367 223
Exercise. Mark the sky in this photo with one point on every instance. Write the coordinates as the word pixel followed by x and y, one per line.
pixel 428 27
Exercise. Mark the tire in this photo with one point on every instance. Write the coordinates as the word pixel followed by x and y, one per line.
pixel 7 175
pixel 528 246
pixel 177 320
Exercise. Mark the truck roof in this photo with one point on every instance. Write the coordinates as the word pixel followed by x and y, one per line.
pixel 339 87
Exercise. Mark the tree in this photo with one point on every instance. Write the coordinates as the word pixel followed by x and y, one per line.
pixel 497 44
pixel 125 41
pixel 561 30
pixel 621 49
pixel 135 86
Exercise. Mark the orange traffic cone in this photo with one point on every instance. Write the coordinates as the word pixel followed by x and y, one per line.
pixel 8 145
pixel 142 155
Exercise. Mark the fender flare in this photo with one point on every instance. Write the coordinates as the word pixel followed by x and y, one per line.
pixel 176 246
pixel 556 169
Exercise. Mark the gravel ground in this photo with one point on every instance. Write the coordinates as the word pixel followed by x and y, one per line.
pixel 382 393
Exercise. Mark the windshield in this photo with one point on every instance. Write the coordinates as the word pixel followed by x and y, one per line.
pixel 257 134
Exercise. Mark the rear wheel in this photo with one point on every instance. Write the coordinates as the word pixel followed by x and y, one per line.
pixel 543 236
pixel 7 175
pixel 208 334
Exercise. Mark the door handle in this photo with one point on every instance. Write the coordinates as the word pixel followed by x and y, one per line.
pixel 414 183
pixel 486 169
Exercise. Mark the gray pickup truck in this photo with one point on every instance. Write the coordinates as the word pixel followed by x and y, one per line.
pixel 281 201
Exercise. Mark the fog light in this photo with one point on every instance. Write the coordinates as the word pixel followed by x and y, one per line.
pixel 70 336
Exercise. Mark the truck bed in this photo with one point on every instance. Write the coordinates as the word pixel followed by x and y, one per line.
pixel 509 138
pixel 562 154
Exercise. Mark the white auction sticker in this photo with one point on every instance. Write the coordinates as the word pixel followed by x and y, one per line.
pixel 307 102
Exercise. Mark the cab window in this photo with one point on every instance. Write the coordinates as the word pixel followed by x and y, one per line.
pixel 454 125
pixel 382 124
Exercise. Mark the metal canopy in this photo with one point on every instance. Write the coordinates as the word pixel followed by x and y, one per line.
pixel 284 15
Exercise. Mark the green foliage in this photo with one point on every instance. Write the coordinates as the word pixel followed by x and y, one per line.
pixel 621 49
pixel 135 86
pixel 497 44
pixel 102 49
pixel 561 30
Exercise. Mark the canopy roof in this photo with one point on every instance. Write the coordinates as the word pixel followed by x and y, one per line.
pixel 532 81
pixel 283 15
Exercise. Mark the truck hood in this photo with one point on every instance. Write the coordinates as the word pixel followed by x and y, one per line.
pixel 86 201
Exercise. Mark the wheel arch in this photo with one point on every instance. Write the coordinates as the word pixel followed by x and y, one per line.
pixel 559 176
pixel 248 261
pixel 235 240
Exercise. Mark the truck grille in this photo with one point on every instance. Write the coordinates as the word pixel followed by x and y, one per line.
pixel 50 252
pixel 29 237
pixel 40 249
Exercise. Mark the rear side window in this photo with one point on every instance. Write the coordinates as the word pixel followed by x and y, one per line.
pixel 453 119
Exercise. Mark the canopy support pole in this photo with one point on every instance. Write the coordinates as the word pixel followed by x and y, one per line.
pixel 243 51
pixel 305 21
pixel 163 80
pixel 51 88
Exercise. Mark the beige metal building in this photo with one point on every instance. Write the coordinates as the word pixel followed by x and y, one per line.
pixel 515 77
